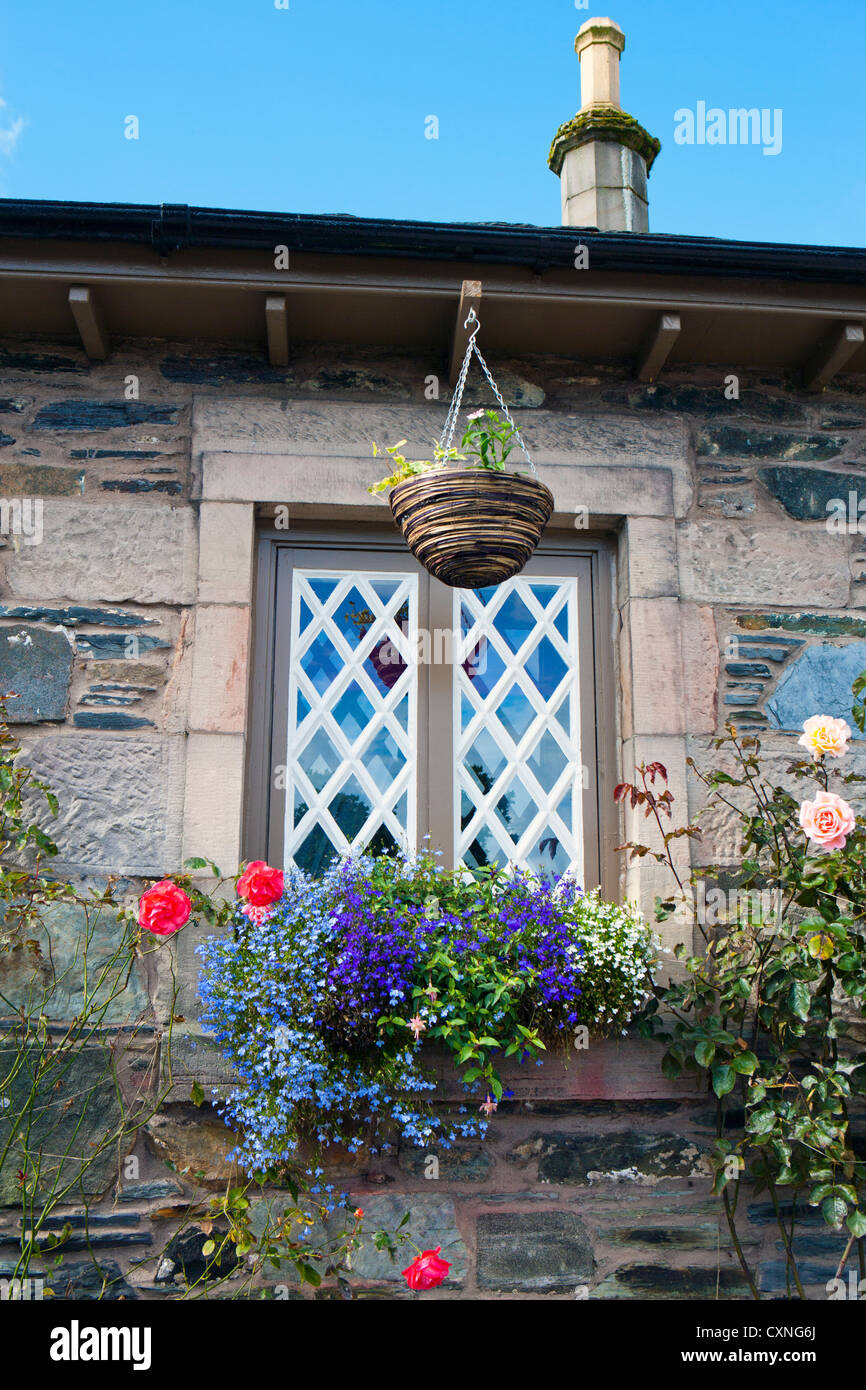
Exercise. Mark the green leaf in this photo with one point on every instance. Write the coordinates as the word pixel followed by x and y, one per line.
pixel 744 1063
pixel 857 1224
pixel 705 1051
pixel 196 1095
pixel 799 999
pixel 834 1210
pixel 209 1247
pixel 724 1079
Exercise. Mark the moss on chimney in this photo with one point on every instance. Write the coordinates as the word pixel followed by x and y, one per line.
pixel 602 123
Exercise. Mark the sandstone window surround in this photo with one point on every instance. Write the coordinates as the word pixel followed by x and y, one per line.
pixel 253 454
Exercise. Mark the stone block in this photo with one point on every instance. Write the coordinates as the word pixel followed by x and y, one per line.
pixel 218 696
pixel 432 1222
pixel 818 682
pixel 528 1251
pixel 36 665
pixel 746 441
pixel 811 494
pixel 724 562
pixel 213 803
pixel 40 480
pixel 120 801
pixel 196 1141
pixel 458 1164
pixel 648 1281
pixel 226 533
pixel 649 559
pixel 83 970
pixel 70 1137
pixel 631 1157
pixel 700 648
pixel 652 627
pixel 70 414
pixel 119 553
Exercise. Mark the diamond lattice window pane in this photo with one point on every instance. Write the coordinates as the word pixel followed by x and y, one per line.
pixel 353 712
pixel 514 621
pixel 350 808
pixel 352 774
pixel 515 712
pixel 547 762
pixel 508 805
pixel 319 760
pixel 546 667
pixel 321 663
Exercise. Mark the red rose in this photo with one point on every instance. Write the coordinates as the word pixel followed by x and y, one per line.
pixel 427 1271
pixel 164 908
pixel 260 884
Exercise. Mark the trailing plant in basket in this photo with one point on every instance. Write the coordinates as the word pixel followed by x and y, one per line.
pixel 767 1010
pixel 487 443
pixel 326 1002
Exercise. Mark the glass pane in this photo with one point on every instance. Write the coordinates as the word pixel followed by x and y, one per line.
pixel 514 621
pixel 483 681
pixel 354 617
pixel 353 712
pixel 485 760
pixel 321 663
pixel 549 857
pixel 383 760
pixel 544 592
pixel 516 810
pixel 564 811
pixel 560 622
pixel 382 842
pixel 484 850
pixel 319 760
pixel 516 712
pixel 306 615
pixel 323 588
pixel 350 808
pixel 546 667
pixel 546 762
pixel 303 709
pixel 385 588
pixel 316 853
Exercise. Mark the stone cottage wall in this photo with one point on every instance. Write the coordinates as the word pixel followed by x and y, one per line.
pixel 734 600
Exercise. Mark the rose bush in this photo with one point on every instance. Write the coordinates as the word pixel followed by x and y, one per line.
pixel 767 1009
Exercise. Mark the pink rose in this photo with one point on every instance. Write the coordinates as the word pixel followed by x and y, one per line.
pixel 164 908
pixel 824 734
pixel 426 1271
pixel 827 820
pixel 260 884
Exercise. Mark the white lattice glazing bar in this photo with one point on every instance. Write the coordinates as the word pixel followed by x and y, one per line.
pixel 518 773
pixel 353 712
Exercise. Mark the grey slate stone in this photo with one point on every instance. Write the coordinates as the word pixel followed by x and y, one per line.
pixel 805 492
pixel 459 1164
pixel 75 614
pixel 537 1250
pixel 110 646
pixel 578 1158
pixel 646 1281
pixel 818 682
pixel 74 414
pixel 432 1222
pixel 37 666
pixel 744 442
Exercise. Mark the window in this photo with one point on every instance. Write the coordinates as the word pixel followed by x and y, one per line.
pixel 387 707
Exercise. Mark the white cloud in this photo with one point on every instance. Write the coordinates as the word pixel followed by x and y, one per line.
pixel 9 137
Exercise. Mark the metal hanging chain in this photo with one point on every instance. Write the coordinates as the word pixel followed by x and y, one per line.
pixel 454 408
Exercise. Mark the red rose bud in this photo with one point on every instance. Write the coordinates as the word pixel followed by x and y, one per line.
pixel 427 1271
pixel 164 908
pixel 260 884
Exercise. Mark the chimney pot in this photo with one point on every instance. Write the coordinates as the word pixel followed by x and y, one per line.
pixel 598 45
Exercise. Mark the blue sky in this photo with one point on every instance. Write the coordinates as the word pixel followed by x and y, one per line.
pixel 321 107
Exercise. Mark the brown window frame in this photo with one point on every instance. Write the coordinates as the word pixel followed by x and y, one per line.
pixel 264 804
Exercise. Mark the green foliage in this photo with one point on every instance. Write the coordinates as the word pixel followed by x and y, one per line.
pixel 765 1011
pixel 487 443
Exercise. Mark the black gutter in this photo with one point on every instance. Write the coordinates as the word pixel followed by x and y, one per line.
pixel 172 227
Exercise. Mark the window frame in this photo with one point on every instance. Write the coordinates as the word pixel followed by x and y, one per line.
pixel 264 805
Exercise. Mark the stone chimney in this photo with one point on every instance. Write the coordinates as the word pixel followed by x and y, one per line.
pixel 602 155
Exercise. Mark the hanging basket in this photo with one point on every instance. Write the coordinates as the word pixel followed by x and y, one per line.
pixel 471 528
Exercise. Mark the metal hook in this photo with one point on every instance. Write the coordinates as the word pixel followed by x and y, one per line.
pixel 472 317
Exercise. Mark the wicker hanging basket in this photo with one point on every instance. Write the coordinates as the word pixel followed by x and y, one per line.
pixel 471 528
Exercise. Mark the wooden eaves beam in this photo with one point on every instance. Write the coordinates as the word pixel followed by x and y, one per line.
pixel 470 298
pixel 277 324
pixel 89 322
pixel 657 348
pixel 831 354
